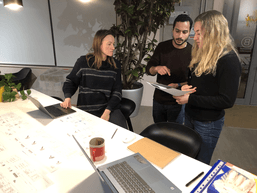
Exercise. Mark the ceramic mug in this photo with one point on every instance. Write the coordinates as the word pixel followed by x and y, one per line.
pixel 97 148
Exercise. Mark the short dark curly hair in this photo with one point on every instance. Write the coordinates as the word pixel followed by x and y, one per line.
pixel 183 18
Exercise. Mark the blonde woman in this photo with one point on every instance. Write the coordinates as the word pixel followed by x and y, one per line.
pixel 98 77
pixel 214 78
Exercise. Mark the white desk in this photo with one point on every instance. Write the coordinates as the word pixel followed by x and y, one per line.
pixel 57 164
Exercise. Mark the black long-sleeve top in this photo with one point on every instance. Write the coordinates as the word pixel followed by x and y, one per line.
pixel 214 93
pixel 177 60
pixel 99 89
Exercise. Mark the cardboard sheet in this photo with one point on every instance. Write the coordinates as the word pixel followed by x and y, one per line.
pixel 154 152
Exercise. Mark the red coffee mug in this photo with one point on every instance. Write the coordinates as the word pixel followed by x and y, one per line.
pixel 97 149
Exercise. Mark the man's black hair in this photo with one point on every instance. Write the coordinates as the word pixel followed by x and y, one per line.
pixel 183 18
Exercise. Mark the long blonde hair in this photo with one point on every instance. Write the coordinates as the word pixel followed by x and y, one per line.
pixel 217 42
pixel 97 42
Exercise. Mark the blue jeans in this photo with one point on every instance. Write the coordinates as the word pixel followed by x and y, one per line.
pixel 165 113
pixel 181 116
pixel 210 132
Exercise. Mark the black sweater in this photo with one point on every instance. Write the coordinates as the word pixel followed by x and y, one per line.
pixel 98 89
pixel 214 93
pixel 177 60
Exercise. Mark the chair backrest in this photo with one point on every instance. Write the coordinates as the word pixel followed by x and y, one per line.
pixel 127 107
pixel 23 77
pixel 175 136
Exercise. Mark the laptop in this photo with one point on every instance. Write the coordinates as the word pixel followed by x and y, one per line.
pixel 132 174
pixel 54 111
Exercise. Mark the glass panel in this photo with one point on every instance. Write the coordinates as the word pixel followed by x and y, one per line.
pixel 244 38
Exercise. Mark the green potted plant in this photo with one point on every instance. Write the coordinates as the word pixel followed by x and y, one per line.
pixel 138 22
pixel 10 89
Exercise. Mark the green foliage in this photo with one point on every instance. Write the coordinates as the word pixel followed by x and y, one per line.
pixel 10 87
pixel 9 96
pixel 140 20
pixel 28 91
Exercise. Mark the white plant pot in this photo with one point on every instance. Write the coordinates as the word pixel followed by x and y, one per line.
pixel 134 95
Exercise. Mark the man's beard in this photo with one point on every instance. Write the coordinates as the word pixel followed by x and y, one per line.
pixel 175 41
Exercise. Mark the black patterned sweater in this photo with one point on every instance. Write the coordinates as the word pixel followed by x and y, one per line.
pixel 99 89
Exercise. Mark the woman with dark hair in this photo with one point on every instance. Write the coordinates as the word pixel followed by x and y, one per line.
pixel 215 70
pixel 98 76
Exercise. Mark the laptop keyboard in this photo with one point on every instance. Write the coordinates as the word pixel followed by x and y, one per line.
pixel 128 179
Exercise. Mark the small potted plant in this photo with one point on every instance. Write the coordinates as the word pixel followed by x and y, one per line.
pixel 10 89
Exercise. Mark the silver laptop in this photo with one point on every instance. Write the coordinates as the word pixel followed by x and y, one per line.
pixel 54 111
pixel 132 174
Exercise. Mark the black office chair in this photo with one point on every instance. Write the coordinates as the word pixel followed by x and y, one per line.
pixel 175 136
pixel 127 108
pixel 23 77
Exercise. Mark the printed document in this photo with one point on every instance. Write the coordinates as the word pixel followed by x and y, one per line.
pixel 168 89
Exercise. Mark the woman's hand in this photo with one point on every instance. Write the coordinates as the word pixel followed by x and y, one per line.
pixel 66 104
pixel 106 115
pixel 183 99
pixel 188 88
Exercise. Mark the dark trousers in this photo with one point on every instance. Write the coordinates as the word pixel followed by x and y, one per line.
pixel 165 113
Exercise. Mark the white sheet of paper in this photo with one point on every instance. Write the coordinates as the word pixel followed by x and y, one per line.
pixel 172 91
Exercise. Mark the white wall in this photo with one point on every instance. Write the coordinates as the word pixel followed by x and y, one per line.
pixel 25 34
pixel 218 5
pixel 75 24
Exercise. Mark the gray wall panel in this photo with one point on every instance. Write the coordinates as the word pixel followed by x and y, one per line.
pixel 25 35
pixel 75 24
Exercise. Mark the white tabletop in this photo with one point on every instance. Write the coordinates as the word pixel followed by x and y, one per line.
pixel 45 147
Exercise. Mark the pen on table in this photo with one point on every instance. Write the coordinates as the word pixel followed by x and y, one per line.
pixel 114 133
pixel 198 176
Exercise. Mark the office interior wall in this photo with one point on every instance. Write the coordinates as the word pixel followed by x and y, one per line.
pixel 75 24
pixel 26 39
pixel 25 34
pixel 218 5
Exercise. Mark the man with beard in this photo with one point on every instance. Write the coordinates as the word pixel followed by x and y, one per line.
pixel 170 62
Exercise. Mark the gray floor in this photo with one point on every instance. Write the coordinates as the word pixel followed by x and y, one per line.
pixel 237 146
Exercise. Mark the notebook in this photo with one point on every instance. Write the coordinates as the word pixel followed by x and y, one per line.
pixel 54 111
pixel 132 174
